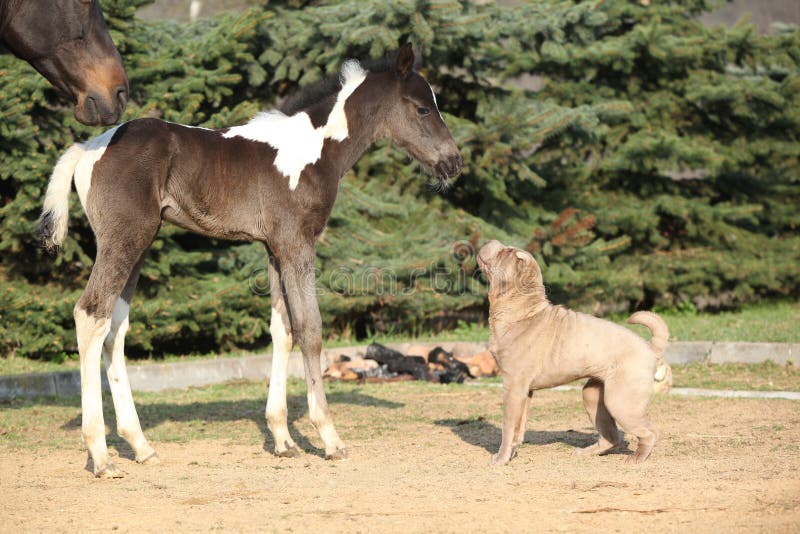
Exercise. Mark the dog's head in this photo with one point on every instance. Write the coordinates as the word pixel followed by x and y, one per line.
pixel 510 270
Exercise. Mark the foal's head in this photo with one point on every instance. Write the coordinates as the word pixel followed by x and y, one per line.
pixel 414 121
pixel 68 43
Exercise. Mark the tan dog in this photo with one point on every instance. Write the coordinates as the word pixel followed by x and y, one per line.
pixel 538 345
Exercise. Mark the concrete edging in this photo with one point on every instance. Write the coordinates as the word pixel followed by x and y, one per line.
pixel 162 376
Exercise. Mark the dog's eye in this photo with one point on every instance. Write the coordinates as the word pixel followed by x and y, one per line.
pixel 423 111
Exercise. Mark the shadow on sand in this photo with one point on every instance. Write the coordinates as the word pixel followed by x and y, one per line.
pixel 248 409
pixel 481 433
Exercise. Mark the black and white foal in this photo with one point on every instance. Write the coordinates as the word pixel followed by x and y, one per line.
pixel 272 180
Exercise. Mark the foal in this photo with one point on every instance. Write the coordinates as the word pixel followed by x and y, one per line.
pixel 272 180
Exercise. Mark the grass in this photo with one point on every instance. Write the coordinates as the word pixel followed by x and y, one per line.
pixel 771 322
pixel 767 376
pixel 775 322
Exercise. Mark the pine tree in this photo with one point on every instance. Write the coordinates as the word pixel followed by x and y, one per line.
pixel 657 164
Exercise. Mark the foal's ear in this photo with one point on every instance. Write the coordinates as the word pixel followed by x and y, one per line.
pixel 404 62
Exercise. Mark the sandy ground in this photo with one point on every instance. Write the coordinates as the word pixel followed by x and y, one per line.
pixel 722 465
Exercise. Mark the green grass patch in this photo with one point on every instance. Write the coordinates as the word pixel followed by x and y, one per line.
pixel 767 376
pixel 775 322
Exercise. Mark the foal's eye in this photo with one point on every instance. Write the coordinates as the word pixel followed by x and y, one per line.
pixel 422 110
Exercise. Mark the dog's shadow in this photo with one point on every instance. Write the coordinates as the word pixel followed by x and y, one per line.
pixel 481 433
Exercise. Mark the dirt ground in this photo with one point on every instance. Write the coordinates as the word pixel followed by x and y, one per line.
pixel 419 462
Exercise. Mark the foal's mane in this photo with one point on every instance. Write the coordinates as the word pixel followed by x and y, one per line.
pixel 330 85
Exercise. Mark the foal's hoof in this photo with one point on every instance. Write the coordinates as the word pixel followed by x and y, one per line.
pixel 109 471
pixel 290 452
pixel 150 459
pixel 339 454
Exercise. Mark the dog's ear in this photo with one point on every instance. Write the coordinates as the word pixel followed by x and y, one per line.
pixel 524 256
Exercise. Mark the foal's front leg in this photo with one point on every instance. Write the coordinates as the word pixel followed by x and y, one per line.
pixel 281 330
pixel 299 283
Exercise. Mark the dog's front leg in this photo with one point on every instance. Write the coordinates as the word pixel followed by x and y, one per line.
pixel 514 400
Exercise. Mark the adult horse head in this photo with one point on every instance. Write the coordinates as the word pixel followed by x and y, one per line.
pixel 67 41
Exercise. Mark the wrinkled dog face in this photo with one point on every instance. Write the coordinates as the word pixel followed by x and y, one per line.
pixel 510 270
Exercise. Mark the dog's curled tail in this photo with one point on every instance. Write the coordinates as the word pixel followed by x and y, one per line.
pixel 658 344
pixel 55 213
pixel 657 326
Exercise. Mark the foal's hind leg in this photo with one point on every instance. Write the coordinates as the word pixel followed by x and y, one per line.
pixel 128 426
pixel 297 274
pixel 601 419
pixel 93 312
pixel 280 327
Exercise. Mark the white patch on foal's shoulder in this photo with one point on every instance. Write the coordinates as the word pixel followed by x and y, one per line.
pixel 294 137
pixel 93 150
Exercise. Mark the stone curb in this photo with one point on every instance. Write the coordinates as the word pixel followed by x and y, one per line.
pixel 159 377
pixel 696 392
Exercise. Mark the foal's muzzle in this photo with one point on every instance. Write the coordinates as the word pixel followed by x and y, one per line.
pixel 448 167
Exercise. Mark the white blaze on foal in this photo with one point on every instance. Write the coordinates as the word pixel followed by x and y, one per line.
pixel 294 137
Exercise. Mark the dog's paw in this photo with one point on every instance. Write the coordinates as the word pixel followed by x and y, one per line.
pixel 499 459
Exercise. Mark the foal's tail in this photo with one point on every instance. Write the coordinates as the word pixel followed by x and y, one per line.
pixel 55 213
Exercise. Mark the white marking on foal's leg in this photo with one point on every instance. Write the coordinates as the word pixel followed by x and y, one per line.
pixel 321 418
pixel 128 425
pixel 276 412
pixel 318 410
pixel 91 333
pixel 93 151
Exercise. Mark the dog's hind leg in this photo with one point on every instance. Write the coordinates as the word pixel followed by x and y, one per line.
pixel 595 406
pixel 628 405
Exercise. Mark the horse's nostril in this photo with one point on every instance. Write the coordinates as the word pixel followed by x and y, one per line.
pixel 122 96
pixel 455 164
pixel 90 106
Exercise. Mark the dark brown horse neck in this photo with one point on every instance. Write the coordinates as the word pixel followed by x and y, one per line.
pixel 366 114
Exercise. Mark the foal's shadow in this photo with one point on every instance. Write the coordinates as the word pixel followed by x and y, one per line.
pixel 481 433
pixel 252 409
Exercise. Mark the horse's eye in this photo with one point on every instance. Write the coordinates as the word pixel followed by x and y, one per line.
pixel 422 110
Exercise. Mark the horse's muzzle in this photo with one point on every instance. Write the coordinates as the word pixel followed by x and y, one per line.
pixel 449 167
pixel 98 110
